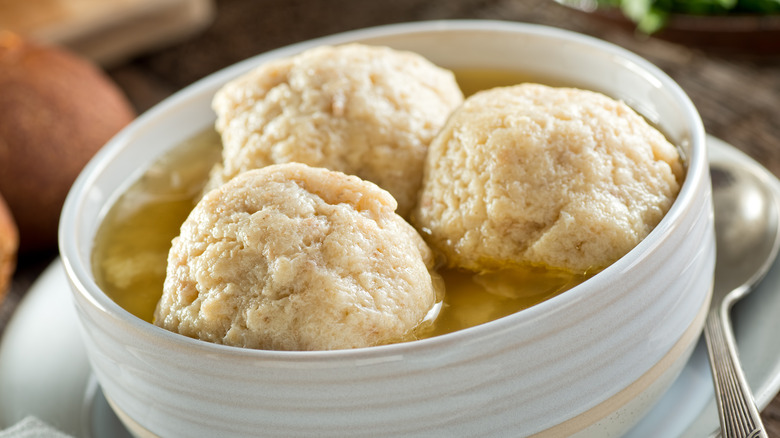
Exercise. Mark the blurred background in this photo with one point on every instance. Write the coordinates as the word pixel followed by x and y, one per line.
pixel 728 61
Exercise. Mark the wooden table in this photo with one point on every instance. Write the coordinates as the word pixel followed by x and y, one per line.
pixel 737 94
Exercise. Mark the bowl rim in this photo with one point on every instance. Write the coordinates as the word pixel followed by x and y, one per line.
pixel 79 271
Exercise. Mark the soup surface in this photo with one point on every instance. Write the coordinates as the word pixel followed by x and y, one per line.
pixel 131 247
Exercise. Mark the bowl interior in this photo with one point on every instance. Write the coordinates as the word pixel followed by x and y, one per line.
pixel 536 50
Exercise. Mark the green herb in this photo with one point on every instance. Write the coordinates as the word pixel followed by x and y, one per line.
pixel 651 15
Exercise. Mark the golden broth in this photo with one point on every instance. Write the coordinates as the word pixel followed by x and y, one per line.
pixel 131 247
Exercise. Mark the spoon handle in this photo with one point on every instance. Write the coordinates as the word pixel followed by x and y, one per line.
pixel 739 416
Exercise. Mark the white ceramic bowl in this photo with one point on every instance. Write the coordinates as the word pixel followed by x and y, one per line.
pixel 590 361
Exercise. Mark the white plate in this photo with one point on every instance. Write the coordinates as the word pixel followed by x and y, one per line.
pixel 44 369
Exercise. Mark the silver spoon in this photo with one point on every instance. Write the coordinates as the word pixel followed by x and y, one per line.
pixel 748 237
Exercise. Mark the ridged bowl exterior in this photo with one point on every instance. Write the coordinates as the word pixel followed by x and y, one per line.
pixel 589 361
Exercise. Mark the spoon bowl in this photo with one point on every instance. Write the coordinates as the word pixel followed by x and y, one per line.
pixel 747 226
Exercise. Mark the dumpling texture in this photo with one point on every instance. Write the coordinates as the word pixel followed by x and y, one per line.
pixel 362 110
pixel 555 177
pixel 291 257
